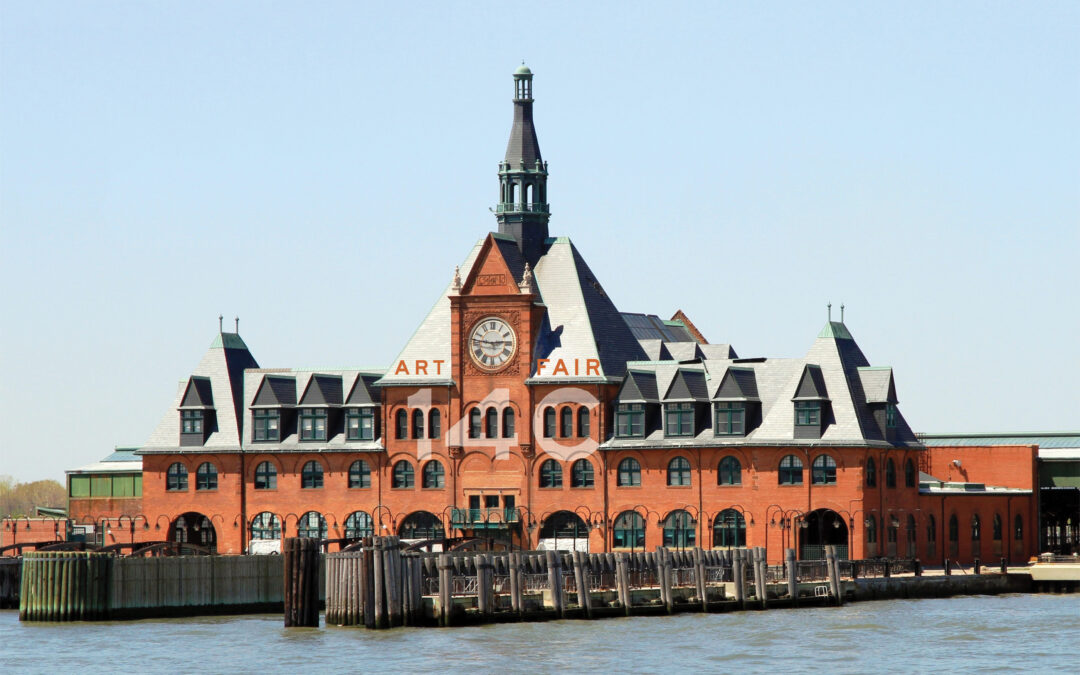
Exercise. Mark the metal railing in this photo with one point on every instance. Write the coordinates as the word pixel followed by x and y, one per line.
pixel 479 518
pixel 521 207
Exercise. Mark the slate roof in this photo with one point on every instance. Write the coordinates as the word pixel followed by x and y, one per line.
pixel 830 367
pixel 877 384
pixel 523 145
pixel 199 393
pixel 223 365
pixel 359 384
pixel 322 391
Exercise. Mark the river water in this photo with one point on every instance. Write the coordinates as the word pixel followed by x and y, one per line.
pixel 1008 633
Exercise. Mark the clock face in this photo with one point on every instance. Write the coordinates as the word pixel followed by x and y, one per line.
pixel 492 343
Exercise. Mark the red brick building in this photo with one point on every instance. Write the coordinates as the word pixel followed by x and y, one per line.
pixel 526 407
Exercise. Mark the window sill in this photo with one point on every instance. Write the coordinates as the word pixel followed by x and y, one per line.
pixel 681 487
pixel 783 485
pixel 359 487
pixel 823 485
pixel 628 487
pixel 206 489
pixel 311 488
pixel 730 485
pixel 552 489
pixel 582 487
pixel 426 489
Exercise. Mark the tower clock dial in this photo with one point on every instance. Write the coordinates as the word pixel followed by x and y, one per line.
pixel 492 343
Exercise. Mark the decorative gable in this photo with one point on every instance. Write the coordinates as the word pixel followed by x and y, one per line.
pixel 198 394
pixel 493 274
pixel 276 391
pixel 638 387
pixel 364 392
pixel 687 385
pixel 811 385
pixel 323 390
pixel 738 384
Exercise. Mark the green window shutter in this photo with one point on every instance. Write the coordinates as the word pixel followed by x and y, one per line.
pixel 138 485
pixel 101 486
pixel 80 486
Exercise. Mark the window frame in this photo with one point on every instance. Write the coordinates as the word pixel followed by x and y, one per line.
pixel 191 421
pixel 823 470
pixel 476 424
pixel 206 481
pixel 417 423
pixel 681 475
pixel 508 422
pixel 269 476
pixel 729 523
pixel 628 473
pixel 312 475
pixel 359 475
pixel 403 476
pixel 729 418
pixel 176 478
pixel 313 416
pixel 550 425
pixel 266 425
pixel 433 475
pixel 630 420
pixel 793 467
pixel 725 470
pixel 890 473
pixel 679 420
pixel 584 416
pixel 582 474
pixel 401 424
pixel 808 413
pixel 551 477
pixel 634 529
pixel 491 423
pixel 434 424
pixel 362 431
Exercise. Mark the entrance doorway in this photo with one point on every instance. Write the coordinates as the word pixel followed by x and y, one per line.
pixel 824 527
pixel 194 528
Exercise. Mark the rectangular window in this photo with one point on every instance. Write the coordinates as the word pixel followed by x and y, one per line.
pixel 730 419
pixel 101 486
pixel 890 416
pixel 137 491
pixel 191 421
pixel 267 425
pixel 807 413
pixel 630 420
pixel 313 424
pixel 680 419
pixel 123 486
pixel 80 486
pixel 360 424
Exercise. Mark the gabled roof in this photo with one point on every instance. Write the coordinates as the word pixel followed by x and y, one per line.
pixel 276 390
pixel 811 384
pixel 681 317
pixel 737 383
pixel 199 393
pixel 638 387
pixel 322 390
pixel 364 392
pixel 687 385
pixel 718 351
pixel 223 365
pixel 877 384
pixel 655 350
pixel 684 351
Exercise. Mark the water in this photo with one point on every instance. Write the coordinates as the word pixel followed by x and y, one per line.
pixel 1018 633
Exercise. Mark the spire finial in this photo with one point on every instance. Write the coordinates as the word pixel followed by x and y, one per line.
pixel 526 285
pixel 456 287
pixel 841 312
pixel 830 311
pixel 220 318
pixel 237 320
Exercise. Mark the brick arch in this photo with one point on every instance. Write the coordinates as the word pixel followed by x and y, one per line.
pixel 744 456
pixel 259 459
pixel 304 458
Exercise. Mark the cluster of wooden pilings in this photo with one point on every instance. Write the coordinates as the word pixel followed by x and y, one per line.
pixel 64 586
pixel 383 586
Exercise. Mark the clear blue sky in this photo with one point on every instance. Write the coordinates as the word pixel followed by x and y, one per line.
pixel 161 163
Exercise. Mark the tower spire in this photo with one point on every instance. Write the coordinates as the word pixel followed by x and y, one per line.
pixel 523 209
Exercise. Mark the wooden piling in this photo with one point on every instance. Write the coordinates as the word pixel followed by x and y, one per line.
pixel 699 578
pixel 622 581
pixel 738 569
pixel 663 573
pixel 301 578
pixel 445 588
pixel 760 576
pixel 554 571
pixel 792 577
pixel 514 564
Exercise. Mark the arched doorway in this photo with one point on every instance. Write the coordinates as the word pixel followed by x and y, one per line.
pixel 194 528
pixel 824 527
pixel 421 526
pixel 564 531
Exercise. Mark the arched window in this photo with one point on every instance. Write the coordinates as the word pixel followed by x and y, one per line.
pixel 890 473
pixel 911 535
pixel 581 474
pixel 492 423
pixel 434 423
pixel 891 528
pixel 549 423
pixel 823 470
pixel 871 472
pixel 730 472
pixel 265 476
pixel 311 476
pixel 434 477
pixel 1018 527
pixel 206 477
pixel 729 529
pixel 474 423
pixel 176 477
pixel 417 424
pixel 358 525
pixel 359 474
pixel 790 470
pixel 312 525
pixel 629 531
pixel 871 530
pixel 266 526
pixel 402 423
pixel 679 530
pixel 403 476
pixel 567 418
pixel 678 471
pixel 954 529
pixel 997 527
pixel 583 422
pixel 508 422
pixel 909 473
pixel 550 474
pixel 422 525
pixel 629 473
pixel 976 528
pixel 931 529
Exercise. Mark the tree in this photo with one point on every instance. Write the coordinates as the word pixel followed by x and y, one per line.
pixel 21 499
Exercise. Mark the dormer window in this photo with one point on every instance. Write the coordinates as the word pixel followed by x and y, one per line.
pixel 191 421
pixel 679 419
pixel 313 424
pixel 360 424
pixel 630 420
pixel 808 413
pixel 731 418
pixel 890 416
pixel 267 425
